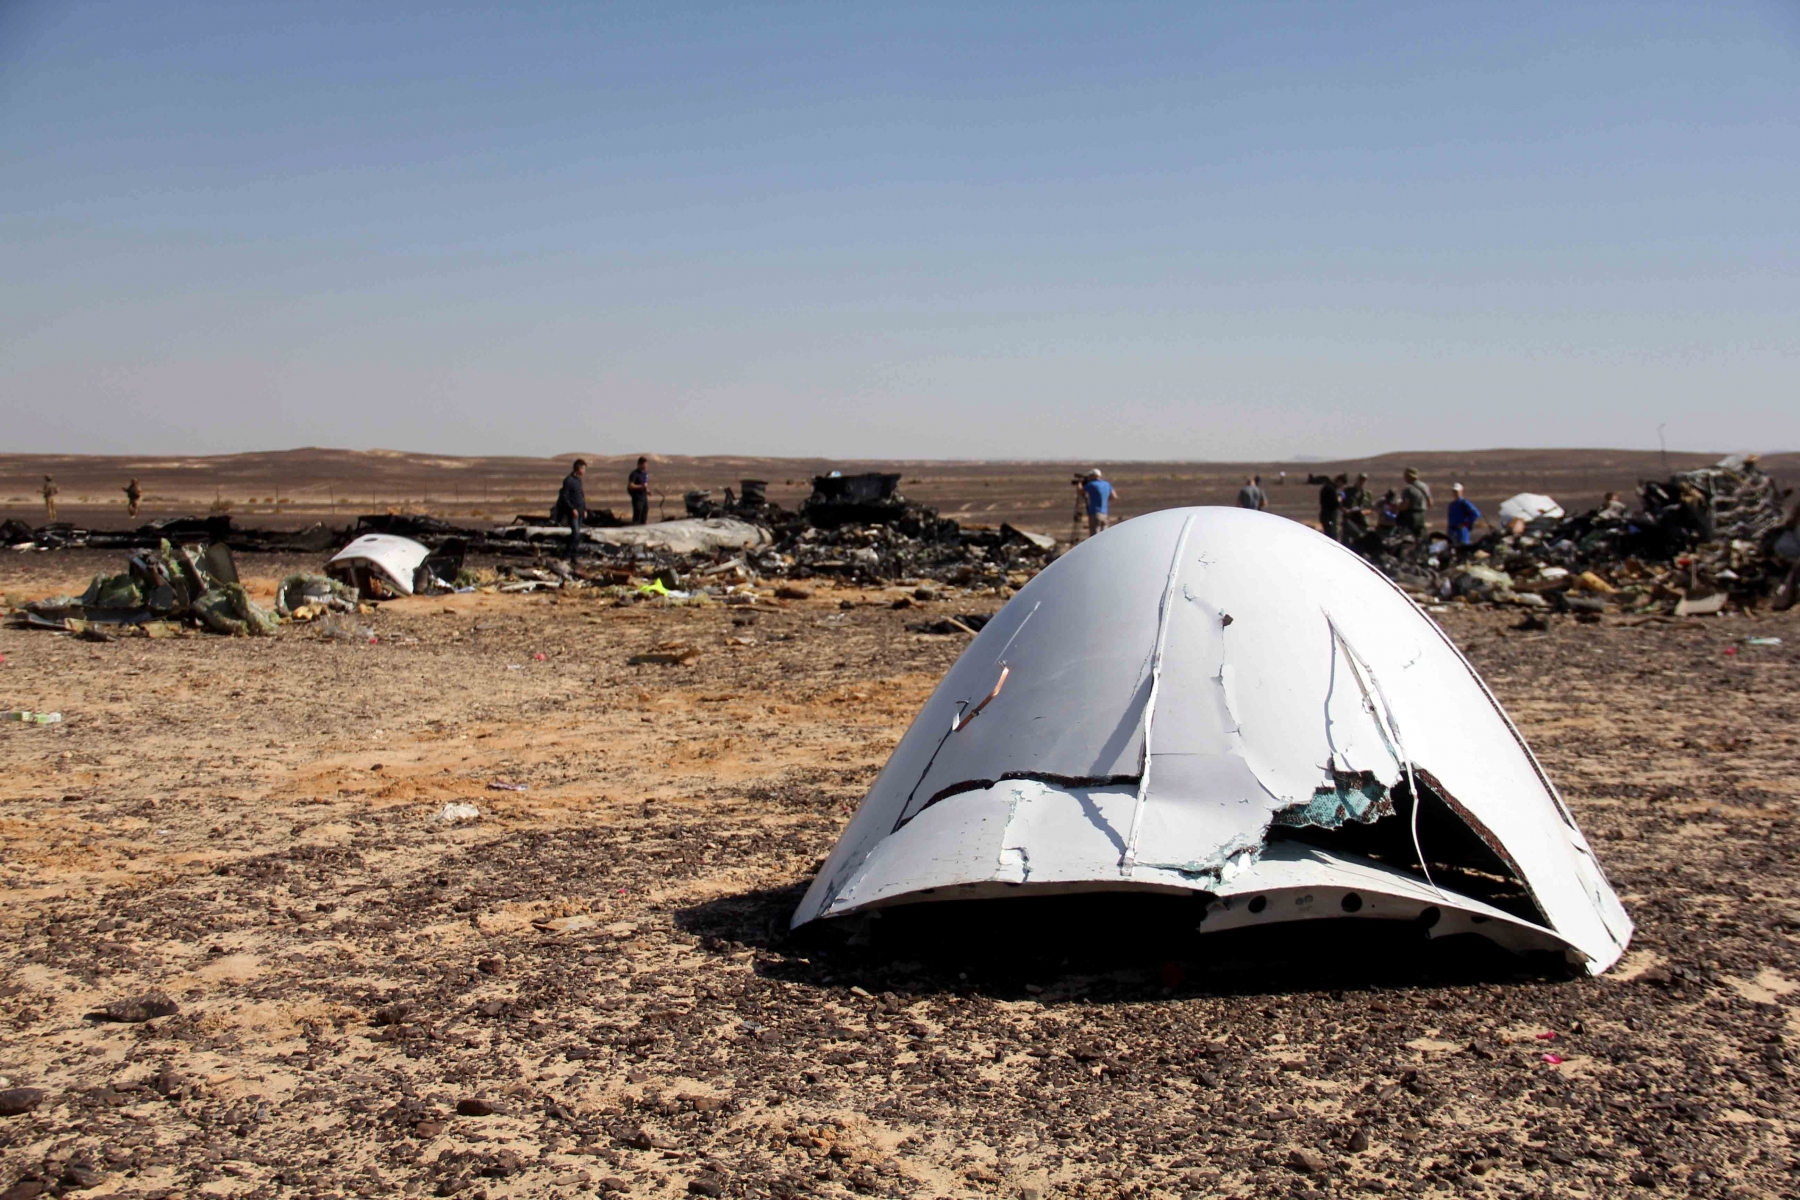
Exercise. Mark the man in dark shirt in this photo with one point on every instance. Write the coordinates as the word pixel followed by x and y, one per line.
pixel 1331 507
pixel 638 484
pixel 1359 503
pixel 571 505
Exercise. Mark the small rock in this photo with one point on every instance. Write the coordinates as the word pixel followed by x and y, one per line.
pixel 1359 1141
pixel 612 1183
pixel 147 1007
pixel 78 1177
pixel 705 1185
pixel 1308 1161
pixel 428 1128
pixel 491 966
pixel 393 1014
pixel 14 1101
pixel 25 1189
pixel 1643 1178
pixel 475 1106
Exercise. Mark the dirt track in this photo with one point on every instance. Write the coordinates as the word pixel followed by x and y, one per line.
pixel 248 827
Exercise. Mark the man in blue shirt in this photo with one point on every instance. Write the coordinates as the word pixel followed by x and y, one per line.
pixel 1098 493
pixel 1461 517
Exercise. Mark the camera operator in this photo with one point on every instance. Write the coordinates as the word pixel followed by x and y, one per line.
pixel 1096 495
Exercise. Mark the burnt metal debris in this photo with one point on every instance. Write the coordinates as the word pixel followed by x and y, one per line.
pixel 857 529
pixel 158 593
pixel 1698 542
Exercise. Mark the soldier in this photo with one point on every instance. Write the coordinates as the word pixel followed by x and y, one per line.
pixel 50 493
pixel 1414 500
pixel 1359 502
pixel 133 493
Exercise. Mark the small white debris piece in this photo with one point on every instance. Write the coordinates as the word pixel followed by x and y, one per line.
pixel 456 810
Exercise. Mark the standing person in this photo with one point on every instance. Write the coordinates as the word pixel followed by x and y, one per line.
pixel 1098 494
pixel 1359 505
pixel 1331 507
pixel 1414 500
pixel 571 505
pixel 1785 548
pixel 1251 494
pixel 50 494
pixel 1460 517
pixel 638 484
pixel 133 493
pixel 1612 508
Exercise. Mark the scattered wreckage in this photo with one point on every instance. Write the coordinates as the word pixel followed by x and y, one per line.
pixel 157 592
pixel 1699 542
pixel 855 528
pixel 1221 701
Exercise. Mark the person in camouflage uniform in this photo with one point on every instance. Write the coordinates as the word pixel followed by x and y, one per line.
pixel 1415 499
pixel 1359 502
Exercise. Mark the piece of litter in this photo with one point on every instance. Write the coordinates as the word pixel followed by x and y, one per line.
pixel 33 718
pixel 1547 1036
pixel 458 811
pixel 1756 641
pixel 1730 650
pixel 501 785
pixel 538 657
pixel 1553 1059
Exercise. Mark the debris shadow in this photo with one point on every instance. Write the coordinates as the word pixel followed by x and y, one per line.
pixel 1095 948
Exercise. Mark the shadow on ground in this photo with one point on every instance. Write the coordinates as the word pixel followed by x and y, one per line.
pixel 1095 948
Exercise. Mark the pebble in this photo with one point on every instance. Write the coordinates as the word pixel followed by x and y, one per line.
pixel 14 1101
pixel 1308 1160
pixel 147 1007
pixel 475 1106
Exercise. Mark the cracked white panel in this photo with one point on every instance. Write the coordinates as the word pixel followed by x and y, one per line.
pixel 1251 716
pixel 1078 641
pixel 1016 832
pixel 396 558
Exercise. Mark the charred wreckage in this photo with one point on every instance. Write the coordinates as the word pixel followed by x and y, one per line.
pixel 857 529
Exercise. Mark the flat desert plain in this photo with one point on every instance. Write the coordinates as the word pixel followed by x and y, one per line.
pixel 287 488
pixel 589 987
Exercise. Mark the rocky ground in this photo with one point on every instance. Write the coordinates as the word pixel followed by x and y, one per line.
pixel 588 989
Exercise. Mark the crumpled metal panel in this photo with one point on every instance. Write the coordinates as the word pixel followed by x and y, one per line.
pixel 396 558
pixel 1176 686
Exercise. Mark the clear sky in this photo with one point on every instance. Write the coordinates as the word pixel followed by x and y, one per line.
pixel 1197 230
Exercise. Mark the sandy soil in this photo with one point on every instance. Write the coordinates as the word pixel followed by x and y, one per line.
pixel 594 970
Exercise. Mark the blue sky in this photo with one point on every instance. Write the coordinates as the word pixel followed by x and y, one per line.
pixel 1122 231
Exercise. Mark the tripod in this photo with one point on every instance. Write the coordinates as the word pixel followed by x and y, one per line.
pixel 1075 517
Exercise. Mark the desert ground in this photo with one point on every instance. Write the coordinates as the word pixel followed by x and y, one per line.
pixel 590 989
pixel 298 487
